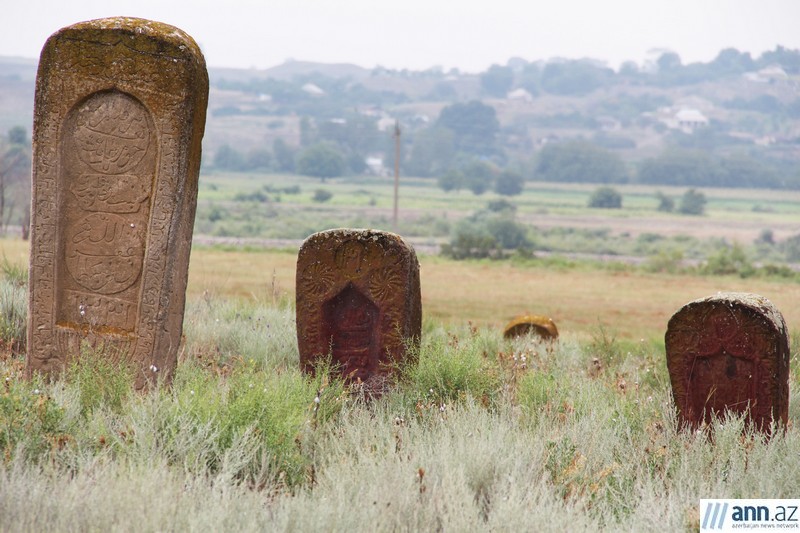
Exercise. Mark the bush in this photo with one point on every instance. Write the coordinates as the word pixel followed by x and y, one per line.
pixel 728 261
pixel 665 203
pixel 606 198
pixel 321 195
pixel 693 202
pixel 487 235
pixel 509 183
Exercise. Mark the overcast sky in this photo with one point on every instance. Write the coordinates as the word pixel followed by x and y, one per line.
pixel 418 34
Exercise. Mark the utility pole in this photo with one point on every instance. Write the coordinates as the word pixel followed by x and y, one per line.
pixel 396 170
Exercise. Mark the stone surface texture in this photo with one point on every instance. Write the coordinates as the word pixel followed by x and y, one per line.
pixel 543 326
pixel 358 300
pixel 729 352
pixel 118 122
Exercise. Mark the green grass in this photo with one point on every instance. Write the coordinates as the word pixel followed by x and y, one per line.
pixel 483 434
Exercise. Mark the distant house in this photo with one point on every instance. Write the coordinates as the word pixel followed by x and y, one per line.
pixel 686 119
pixel 520 95
pixel 312 89
pixel 768 74
pixel 689 120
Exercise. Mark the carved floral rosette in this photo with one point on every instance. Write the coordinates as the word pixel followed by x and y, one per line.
pixel 729 352
pixel 358 300
pixel 118 123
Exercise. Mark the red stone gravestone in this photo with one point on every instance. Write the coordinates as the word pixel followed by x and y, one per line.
pixel 118 123
pixel 358 300
pixel 729 352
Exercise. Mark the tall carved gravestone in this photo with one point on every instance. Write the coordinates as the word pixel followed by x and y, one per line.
pixel 729 352
pixel 358 300
pixel 118 123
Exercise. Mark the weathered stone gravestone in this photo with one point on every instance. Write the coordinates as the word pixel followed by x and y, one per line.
pixel 118 122
pixel 542 326
pixel 729 352
pixel 358 300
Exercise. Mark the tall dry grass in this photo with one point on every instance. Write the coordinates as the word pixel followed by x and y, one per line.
pixel 484 434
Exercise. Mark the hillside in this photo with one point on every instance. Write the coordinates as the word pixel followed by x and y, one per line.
pixel 733 109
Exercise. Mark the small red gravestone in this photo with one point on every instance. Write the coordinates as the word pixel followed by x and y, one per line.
pixel 358 300
pixel 729 352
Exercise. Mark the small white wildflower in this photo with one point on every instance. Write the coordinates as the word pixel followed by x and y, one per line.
pixel 316 400
pixel 153 368
pixel 36 391
pixel 250 386
pixel 82 310
pixel 441 408
pixel 191 392
pixel 430 391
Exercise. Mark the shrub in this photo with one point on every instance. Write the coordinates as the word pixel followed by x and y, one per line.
pixel 693 202
pixel 665 203
pixel 102 380
pixel 487 235
pixel 727 261
pixel 606 198
pixel 321 195
pixel 509 183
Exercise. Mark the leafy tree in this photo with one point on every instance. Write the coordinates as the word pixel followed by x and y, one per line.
pixel 574 77
pixel 680 167
pixel 579 162
pixel 668 61
pixel 18 135
pixel 606 198
pixel 478 176
pixel 228 158
pixel 259 159
pixel 693 202
pixel 452 180
pixel 497 80
pixel 665 203
pixel 284 156
pixel 732 61
pixel 15 174
pixel 474 126
pixel 530 78
pixel 788 59
pixel 509 183
pixel 432 152
pixel 321 161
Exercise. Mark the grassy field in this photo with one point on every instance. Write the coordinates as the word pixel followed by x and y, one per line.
pixel 582 299
pixel 736 215
pixel 483 434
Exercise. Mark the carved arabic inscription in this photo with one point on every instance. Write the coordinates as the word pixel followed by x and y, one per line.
pixel 108 158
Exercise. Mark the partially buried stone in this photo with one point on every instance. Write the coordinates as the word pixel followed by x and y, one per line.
pixel 358 301
pixel 729 352
pixel 541 326
pixel 118 122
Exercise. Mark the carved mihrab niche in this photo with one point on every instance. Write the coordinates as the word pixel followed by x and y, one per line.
pixel 119 118
pixel 358 302
pixel 729 353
